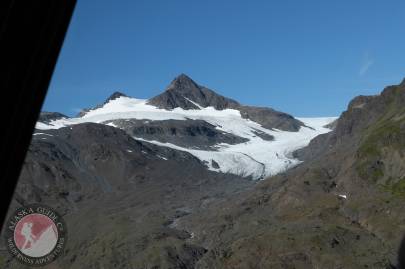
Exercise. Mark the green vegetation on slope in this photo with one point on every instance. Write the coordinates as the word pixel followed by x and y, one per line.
pixel 381 142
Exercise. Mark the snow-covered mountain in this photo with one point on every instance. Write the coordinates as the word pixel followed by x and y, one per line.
pixel 227 136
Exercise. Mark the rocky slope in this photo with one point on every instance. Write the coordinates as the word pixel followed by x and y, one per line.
pixel 47 117
pixel 342 208
pixel 119 197
pixel 197 134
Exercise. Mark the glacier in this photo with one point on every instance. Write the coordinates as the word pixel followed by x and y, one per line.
pixel 257 158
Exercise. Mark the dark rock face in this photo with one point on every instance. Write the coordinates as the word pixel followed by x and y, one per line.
pixel 270 118
pixel 214 164
pixel 196 134
pixel 264 135
pixel 47 117
pixel 183 92
pixel 183 88
pixel 114 96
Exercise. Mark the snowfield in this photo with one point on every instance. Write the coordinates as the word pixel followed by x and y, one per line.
pixel 256 158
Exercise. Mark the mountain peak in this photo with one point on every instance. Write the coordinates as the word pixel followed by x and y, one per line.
pixel 183 76
pixel 114 96
pixel 183 83
pixel 185 93
pixel 47 117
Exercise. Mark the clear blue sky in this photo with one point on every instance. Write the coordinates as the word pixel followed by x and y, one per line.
pixel 307 58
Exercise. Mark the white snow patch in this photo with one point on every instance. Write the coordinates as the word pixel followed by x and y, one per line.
pixel 229 162
pixel 319 122
pixel 42 134
pixel 128 150
pixel 112 124
pixel 131 108
pixel 194 103
pixel 344 196
pixel 161 157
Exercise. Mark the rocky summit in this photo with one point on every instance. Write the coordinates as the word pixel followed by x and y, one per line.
pixel 184 93
pixel 192 179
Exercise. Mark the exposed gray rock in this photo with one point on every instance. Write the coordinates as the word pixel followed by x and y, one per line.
pixel 215 164
pixel 185 133
pixel 270 118
pixel 47 117
pixel 114 96
pixel 263 135
pixel 182 89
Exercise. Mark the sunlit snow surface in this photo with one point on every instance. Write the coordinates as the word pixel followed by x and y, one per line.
pixel 257 158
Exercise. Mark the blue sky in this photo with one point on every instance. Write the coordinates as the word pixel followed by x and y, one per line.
pixel 307 58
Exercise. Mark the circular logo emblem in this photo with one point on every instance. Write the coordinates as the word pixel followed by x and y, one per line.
pixel 36 235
